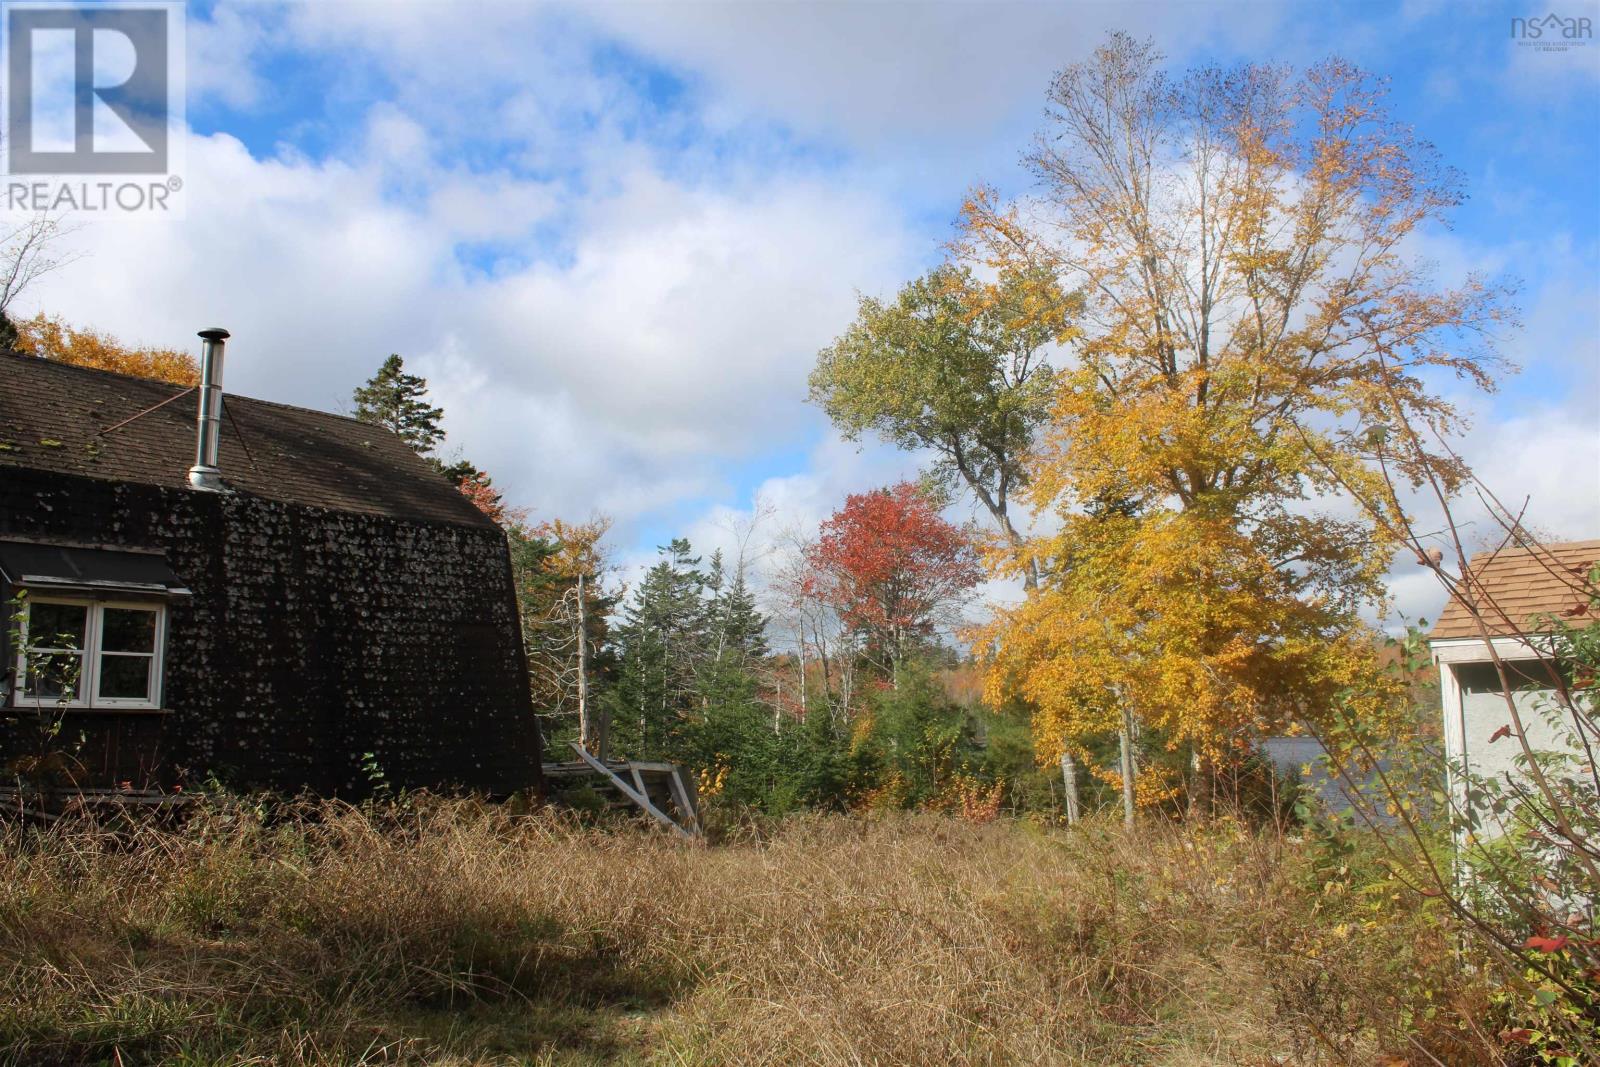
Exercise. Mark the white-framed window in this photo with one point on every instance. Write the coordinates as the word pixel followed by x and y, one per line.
pixel 99 654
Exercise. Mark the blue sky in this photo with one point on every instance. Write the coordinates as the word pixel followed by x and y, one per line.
pixel 614 236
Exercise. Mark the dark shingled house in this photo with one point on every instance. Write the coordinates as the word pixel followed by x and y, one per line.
pixel 318 595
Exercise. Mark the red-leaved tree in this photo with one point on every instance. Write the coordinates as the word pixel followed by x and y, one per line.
pixel 892 568
pixel 479 488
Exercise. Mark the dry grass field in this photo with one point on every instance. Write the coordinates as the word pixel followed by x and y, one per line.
pixel 447 933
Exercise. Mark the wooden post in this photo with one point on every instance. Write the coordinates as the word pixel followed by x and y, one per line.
pixel 1069 775
pixel 1130 769
pixel 688 807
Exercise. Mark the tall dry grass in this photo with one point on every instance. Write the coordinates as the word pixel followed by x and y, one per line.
pixel 453 933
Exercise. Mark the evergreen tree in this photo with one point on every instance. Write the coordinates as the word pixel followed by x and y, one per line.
pixel 459 470
pixel 736 628
pixel 733 732
pixel 660 644
pixel 397 400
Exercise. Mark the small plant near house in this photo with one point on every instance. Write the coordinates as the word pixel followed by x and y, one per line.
pixel 40 762
pixel 380 790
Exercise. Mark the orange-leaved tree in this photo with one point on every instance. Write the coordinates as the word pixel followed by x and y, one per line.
pixel 1253 318
pixel 48 337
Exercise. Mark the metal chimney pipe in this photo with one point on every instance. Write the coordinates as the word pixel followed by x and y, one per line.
pixel 204 474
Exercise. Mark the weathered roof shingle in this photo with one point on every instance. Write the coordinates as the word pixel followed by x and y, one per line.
pixel 53 417
pixel 1523 585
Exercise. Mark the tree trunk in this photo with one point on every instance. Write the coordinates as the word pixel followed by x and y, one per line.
pixel 804 708
pixel 1130 769
pixel 1030 572
pixel 585 729
pixel 1069 776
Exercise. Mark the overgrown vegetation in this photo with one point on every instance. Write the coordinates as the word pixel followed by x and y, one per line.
pixel 1205 353
pixel 446 932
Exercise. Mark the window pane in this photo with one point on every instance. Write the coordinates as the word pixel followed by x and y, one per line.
pixel 53 673
pixel 125 677
pixel 1484 678
pixel 56 625
pixel 129 630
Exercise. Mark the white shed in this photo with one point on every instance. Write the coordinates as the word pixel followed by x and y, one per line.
pixel 1515 591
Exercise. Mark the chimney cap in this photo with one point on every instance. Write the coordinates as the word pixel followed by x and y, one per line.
pixel 215 333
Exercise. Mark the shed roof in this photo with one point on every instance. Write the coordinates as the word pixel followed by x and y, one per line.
pixel 1522 584
pixel 56 417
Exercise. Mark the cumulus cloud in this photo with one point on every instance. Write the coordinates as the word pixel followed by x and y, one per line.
pixel 678 331
pixel 888 72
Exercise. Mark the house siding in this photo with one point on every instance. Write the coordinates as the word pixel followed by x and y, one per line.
pixel 1484 712
pixel 313 637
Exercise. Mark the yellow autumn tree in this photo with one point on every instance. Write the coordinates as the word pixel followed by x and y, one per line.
pixel 1253 320
pixel 48 337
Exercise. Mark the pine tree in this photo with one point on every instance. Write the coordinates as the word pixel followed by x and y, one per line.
pixel 737 628
pixel 661 643
pixel 458 471
pixel 733 732
pixel 397 400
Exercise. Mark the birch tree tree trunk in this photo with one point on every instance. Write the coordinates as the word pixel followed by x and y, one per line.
pixel 1069 776
pixel 1130 769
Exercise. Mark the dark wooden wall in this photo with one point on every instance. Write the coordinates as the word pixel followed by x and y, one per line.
pixel 313 637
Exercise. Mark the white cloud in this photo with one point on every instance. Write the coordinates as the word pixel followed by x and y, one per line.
pixel 222 53
pixel 1537 70
pixel 623 302
pixel 690 318
pixel 902 73
pixel 677 332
